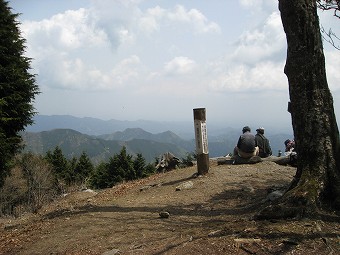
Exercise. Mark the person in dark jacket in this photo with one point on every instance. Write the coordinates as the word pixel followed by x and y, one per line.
pixel 290 152
pixel 246 147
pixel 263 143
pixel 290 145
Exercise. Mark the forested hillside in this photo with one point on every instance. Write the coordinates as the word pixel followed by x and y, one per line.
pixel 74 143
pixel 136 140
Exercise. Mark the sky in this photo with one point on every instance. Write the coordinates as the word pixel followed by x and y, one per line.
pixel 159 60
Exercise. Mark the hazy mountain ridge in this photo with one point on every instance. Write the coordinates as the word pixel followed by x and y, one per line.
pixel 93 126
pixel 74 143
pixel 75 135
pixel 138 133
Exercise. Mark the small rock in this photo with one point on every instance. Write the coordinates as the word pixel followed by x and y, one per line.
pixel 90 191
pixel 164 214
pixel 248 188
pixel 216 233
pixel 291 242
pixel 274 195
pixel 145 187
pixel 185 185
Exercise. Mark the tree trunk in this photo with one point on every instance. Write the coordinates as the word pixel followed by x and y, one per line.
pixel 317 180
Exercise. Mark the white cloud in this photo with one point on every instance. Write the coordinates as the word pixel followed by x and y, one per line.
pixel 74 74
pixel 68 31
pixel 154 18
pixel 262 43
pixel 64 34
pixel 256 6
pixel 139 52
pixel 150 21
pixel 179 66
pixel 64 45
pixel 257 63
pixel 125 36
pixel 194 17
pixel 242 78
pixel 125 71
pixel 250 3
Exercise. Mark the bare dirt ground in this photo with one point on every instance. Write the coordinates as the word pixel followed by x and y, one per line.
pixel 212 214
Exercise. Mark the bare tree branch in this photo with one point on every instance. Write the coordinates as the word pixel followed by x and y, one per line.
pixel 327 5
pixel 329 36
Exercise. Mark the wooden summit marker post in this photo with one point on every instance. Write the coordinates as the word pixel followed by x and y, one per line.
pixel 201 138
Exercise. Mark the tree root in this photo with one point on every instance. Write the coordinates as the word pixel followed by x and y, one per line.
pixel 280 211
pixel 293 204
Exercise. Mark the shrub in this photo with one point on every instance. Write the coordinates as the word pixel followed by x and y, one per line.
pixel 28 187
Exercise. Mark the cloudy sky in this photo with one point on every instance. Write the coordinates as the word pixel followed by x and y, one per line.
pixel 158 60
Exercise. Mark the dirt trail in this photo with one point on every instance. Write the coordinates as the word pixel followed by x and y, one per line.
pixel 210 215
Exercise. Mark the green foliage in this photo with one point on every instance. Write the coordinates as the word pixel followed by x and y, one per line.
pixel 17 88
pixel 73 171
pixel 73 143
pixel 149 170
pixel 61 168
pixel 83 168
pixel 71 177
pixel 121 167
pixel 188 160
pixel 36 180
pixel 141 168
pixel 100 177
pixel 139 165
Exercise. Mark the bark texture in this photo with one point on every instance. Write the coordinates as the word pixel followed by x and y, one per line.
pixel 311 106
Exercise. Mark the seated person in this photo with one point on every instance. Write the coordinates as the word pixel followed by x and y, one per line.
pixel 290 145
pixel 263 143
pixel 246 147
pixel 291 152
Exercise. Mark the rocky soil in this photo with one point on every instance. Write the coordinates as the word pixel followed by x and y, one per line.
pixel 174 213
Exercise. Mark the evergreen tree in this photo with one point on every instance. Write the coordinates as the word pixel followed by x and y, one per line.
pixel 17 88
pixel 115 171
pixel 188 160
pixel 149 170
pixel 59 163
pixel 72 163
pixel 83 168
pixel 100 178
pixel 142 169
pixel 139 166
pixel 121 167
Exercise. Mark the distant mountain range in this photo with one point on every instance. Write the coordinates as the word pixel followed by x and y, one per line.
pixel 101 139
pixel 93 126
pixel 73 143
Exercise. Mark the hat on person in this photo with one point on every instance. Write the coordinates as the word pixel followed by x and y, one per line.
pixel 260 129
pixel 245 129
